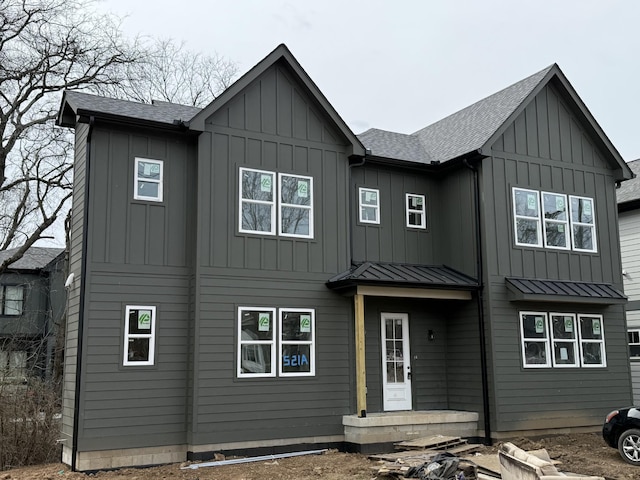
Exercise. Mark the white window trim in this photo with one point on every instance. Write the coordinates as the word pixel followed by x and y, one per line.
pixel 361 206
pixel 409 211
pixel 312 343
pixel 581 224
pixel 4 300
pixel 601 342
pixel 523 340
pixel 272 203
pixel 573 341
pixel 637 332
pixel 271 342
pixel 151 336
pixel 525 217
pixel 160 182
pixel 567 230
pixel 293 205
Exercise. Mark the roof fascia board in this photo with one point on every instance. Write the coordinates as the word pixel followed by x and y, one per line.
pixel 403 292
pixel 280 52
pixel 554 72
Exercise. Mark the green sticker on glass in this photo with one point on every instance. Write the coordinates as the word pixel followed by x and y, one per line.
pixel 531 202
pixel 568 324
pixel 595 326
pixel 305 323
pixel 303 189
pixel 265 183
pixel 144 320
pixel 539 325
pixel 264 321
pixel 586 206
pixel 560 204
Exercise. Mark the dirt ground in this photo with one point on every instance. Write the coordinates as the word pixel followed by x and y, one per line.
pixel 578 453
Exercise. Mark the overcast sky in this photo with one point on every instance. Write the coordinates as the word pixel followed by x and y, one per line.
pixel 401 65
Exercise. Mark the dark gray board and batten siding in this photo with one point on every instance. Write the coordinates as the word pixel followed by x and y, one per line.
pixel 546 149
pixel 138 254
pixel 274 125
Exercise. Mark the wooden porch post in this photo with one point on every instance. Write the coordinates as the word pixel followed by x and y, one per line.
pixel 361 377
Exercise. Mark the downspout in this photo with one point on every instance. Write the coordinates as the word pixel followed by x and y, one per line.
pixel 83 288
pixel 480 302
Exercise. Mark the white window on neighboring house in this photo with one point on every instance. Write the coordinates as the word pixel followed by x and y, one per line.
pixel 556 220
pixel 634 343
pixel 564 337
pixel 592 351
pixel 369 205
pixel 526 206
pixel 296 205
pixel 11 300
pixel 139 335
pixel 257 341
pixel 297 346
pixel 415 211
pixel 583 224
pixel 13 365
pixel 534 340
pixel 148 180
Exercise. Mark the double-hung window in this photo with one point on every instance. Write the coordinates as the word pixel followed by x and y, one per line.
pixel 535 339
pixel 415 211
pixel 261 341
pixel 583 223
pixel 556 231
pixel 260 205
pixel 139 335
pixel 369 205
pixel 634 343
pixel 11 300
pixel 592 351
pixel 564 340
pixel 526 205
pixel 148 180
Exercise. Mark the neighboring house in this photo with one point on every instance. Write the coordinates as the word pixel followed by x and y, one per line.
pixel 629 221
pixel 253 277
pixel 32 306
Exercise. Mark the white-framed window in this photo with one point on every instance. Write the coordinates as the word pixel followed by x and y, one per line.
pixel 261 341
pixel 526 207
pixel 556 220
pixel 11 300
pixel 534 340
pixel 592 352
pixel 257 201
pixel 148 179
pixel 369 205
pixel 297 345
pixel 296 205
pixel 139 335
pixel 583 224
pixel 634 343
pixel 547 219
pixel 564 340
pixel 257 341
pixel 415 211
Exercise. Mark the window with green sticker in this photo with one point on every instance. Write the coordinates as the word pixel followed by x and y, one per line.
pixel 139 335
pixel 148 180
pixel 257 341
pixel 296 342
pixel 296 206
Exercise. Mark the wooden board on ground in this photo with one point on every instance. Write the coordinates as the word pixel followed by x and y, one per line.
pixel 433 441
pixel 487 464
pixel 406 456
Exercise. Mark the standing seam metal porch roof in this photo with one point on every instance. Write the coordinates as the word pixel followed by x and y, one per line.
pixel 403 275
pixel 523 289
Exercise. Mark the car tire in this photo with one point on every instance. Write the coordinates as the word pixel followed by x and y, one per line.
pixel 629 446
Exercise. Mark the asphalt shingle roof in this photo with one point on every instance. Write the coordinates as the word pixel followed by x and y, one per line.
pixel 462 132
pixel 34 258
pixel 160 112
pixel 630 189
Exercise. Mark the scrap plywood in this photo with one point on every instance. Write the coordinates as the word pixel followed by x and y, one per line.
pixel 434 441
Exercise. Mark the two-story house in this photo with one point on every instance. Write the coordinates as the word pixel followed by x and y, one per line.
pixel 629 218
pixel 253 277
pixel 32 307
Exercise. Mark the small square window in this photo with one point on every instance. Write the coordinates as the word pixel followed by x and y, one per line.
pixel 369 205
pixel 139 335
pixel 415 211
pixel 147 182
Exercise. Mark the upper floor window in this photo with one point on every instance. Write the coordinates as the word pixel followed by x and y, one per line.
pixel 147 183
pixel 11 299
pixel 369 205
pixel 558 340
pixel 258 205
pixel 547 219
pixel 583 222
pixel 139 335
pixel 416 217
pixel 634 343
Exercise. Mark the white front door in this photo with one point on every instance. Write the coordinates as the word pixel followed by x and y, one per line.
pixel 396 364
